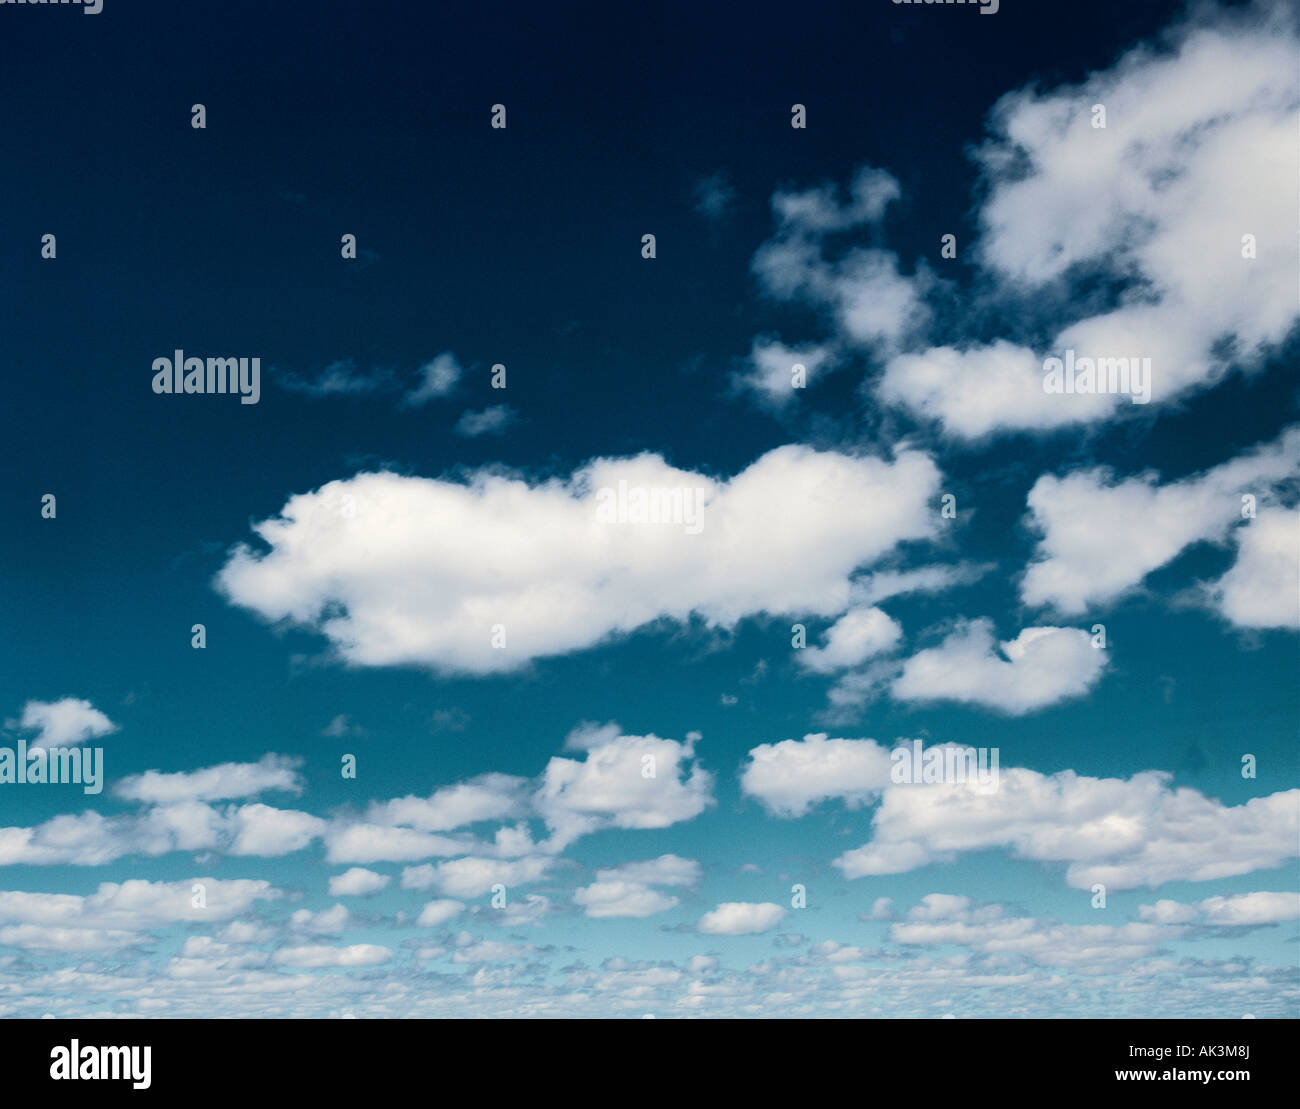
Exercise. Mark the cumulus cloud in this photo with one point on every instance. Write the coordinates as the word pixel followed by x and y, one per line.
pixel 1123 833
pixel 622 899
pixel 213 783
pixel 1101 537
pixel 1262 588
pixel 487 797
pixel 317 956
pixel 1040 667
pixel 66 722
pixel 741 918
pixel 403 570
pixel 791 776
pixel 437 913
pixel 945 920
pixel 851 640
pixel 624 782
pixel 1197 151
pixel 1245 910
pixel 625 891
pixel 357 882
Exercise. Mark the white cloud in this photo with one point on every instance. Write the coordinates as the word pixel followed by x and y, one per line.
pixel 474 877
pixel 1101 537
pixel 1262 588
pixel 357 882
pixel 436 913
pixel 770 373
pixel 66 722
pixel 791 776
pixel 355 955
pixel 666 870
pixel 851 640
pixel 335 919
pixel 1040 667
pixel 741 918
pixel 213 783
pixel 946 920
pixel 487 797
pixel 137 904
pixel 438 378
pixel 870 301
pixel 1197 151
pixel 1123 833
pixel 1246 910
pixel 420 571
pixel 625 782
pixel 622 899
pixel 491 421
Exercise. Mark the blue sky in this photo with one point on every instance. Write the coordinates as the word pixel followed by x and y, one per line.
pixel 394 560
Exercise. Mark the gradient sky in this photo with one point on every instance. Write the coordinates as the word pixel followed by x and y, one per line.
pixel 417 506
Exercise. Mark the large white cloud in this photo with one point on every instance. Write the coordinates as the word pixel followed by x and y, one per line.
pixel 401 570
pixel 1198 151
pixel 1101 537
pixel 1123 833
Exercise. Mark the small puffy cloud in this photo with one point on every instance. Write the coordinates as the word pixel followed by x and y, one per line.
pixel 213 783
pixel 420 571
pixel 491 421
pixel 327 920
pixel 318 956
pixel 790 777
pixel 855 637
pixel 741 918
pixel 66 722
pixel 622 899
pixel 770 374
pixel 357 882
pixel 437 378
pixel 436 913
pixel 1040 667
pixel 624 782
